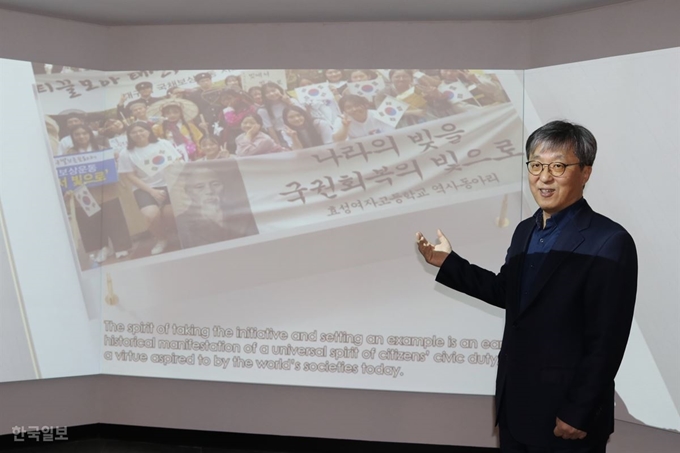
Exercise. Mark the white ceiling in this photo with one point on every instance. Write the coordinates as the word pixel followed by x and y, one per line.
pixel 147 12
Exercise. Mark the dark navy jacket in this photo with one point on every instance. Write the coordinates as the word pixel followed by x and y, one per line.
pixel 561 353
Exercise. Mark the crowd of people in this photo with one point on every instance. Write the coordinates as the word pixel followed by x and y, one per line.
pixel 268 118
pixel 219 119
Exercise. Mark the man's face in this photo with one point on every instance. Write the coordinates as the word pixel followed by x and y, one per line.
pixel 402 80
pixel 138 110
pixel 71 123
pixel 145 92
pixel 205 188
pixel 333 75
pixel 554 193
pixel 205 83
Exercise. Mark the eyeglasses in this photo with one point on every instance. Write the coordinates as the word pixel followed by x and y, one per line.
pixel 554 168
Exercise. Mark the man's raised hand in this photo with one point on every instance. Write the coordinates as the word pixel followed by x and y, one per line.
pixel 434 254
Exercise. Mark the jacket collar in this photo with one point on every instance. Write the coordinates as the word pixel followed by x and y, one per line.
pixel 570 238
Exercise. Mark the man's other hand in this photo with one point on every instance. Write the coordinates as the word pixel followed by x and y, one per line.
pixel 434 254
pixel 566 431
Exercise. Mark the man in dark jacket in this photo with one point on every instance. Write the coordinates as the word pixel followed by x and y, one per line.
pixel 568 286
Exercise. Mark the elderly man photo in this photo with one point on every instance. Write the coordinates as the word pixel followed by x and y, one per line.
pixel 218 206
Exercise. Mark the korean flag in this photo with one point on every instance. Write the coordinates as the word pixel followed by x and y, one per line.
pixel 157 162
pixel 313 93
pixel 367 89
pixel 455 92
pixel 86 200
pixel 391 110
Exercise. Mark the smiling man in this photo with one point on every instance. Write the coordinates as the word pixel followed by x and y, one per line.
pixel 568 287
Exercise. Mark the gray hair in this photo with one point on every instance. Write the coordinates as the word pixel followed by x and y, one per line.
pixel 564 135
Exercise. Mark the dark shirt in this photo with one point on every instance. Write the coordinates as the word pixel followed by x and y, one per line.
pixel 208 103
pixel 541 242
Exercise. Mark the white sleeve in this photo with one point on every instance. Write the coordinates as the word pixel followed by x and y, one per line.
pixel 266 120
pixel 64 145
pixel 337 124
pixel 325 130
pixel 125 164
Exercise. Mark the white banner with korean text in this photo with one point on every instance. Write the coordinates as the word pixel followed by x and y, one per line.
pixel 94 91
pixel 441 159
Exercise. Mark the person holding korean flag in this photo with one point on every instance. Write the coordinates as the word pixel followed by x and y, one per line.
pixel 361 75
pixel 97 227
pixel 140 165
pixel 401 87
pixel 322 109
pixel 357 120
pixel 486 90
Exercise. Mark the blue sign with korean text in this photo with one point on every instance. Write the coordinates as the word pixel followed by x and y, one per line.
pixel 94 168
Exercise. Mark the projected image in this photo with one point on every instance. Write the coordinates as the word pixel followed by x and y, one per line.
pixel 306 146
pixel 214 201
pixel 258 226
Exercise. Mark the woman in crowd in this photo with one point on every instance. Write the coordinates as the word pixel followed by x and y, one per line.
pixel 211 149
pixel 275 100
pixel 84 140
pixel 305 131
pixel 232 82
pixel 256 94
pixel 253 140
pixel 237 105
pixel 109 223
pixel 114 131
pixel 336 79
pixel 361 75
pixel 357 120
pixel 177 125
pixel 113 127
pixel 141 165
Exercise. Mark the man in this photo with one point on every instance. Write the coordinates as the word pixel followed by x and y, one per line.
pixel 144 89
pixel 214 215
pixel 568 287
pixel 207 98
